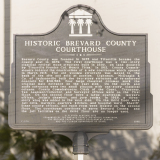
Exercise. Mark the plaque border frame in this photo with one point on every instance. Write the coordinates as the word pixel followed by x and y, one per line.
pixel 87 128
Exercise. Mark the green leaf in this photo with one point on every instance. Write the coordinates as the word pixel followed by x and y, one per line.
pixel 11 157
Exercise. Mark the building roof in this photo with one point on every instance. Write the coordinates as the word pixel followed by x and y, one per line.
pixel 80 13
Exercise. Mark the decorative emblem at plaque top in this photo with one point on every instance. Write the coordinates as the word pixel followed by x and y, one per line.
pixel 80 17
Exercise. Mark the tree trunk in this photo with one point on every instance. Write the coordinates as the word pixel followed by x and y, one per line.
pixel 80 29
pixel 72 29
pixel 38 151
pixel 89 30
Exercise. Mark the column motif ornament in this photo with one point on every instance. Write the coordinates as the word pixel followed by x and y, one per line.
pixel 72 23
pixel 80 17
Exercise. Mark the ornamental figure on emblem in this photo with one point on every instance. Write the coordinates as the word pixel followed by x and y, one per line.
pixel 80 24
pixel 72 23
pixel 80 17
pixel 89 23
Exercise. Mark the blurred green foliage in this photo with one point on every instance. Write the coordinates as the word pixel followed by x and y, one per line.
pixel 156 153
pixel 26 145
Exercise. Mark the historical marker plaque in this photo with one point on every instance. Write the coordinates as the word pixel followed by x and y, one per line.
pixel 80 77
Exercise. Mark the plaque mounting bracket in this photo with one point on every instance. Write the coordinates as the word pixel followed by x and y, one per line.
pixel 80 140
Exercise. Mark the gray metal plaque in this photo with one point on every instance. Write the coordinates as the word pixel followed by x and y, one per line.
pixel 80 76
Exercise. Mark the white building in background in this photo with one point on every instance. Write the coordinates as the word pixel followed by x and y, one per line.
pixel 80 17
